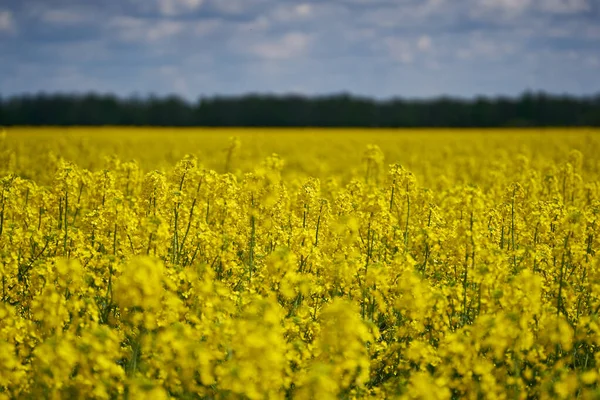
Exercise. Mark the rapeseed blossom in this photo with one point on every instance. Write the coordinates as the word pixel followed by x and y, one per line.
pixel 249 268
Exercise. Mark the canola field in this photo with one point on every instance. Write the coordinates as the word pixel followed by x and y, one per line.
pixel 299 264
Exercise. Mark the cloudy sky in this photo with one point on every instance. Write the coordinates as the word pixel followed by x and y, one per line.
pixel 377 48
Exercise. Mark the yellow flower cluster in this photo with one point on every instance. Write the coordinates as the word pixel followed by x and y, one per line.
pixel 385 265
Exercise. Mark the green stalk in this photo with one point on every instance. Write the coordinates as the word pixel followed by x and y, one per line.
pixel 407 219
pixel 535 239
pixel 369 255
pixel 466 274
pixel 318 224
pixel 175 244
pixel 66 221
pixel 2 213
pixel 115 240
pixel 136 351
pixel 304 224
pixel 252 241
pixel 559 304
pixel 424 268
pixel 187 230
pixel 392 196
pixel 60 213
pixel 512 228
pixel 207 209
pixel 127 184
pixel 149 244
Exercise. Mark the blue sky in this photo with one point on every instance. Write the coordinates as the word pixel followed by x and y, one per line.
pixel 376 48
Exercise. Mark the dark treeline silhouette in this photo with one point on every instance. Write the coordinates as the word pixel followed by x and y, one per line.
pixel 530 109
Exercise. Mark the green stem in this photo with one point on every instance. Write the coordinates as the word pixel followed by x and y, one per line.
pixel 407 219
pixel 2 213
pixel 424 268
pixel 512 229
pixel 175 244
pixel 66 222
pixel 136 351
pixel 466 274
pixel 318 224
pixel 115 240
pixel 392 196
pixel 252 241
pixel 559 304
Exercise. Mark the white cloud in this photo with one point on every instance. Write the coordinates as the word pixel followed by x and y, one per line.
pixel 393 15
pixel 508 5
pixel 364 2
pixel 400 50
pixel 168 8
pixel 136 29
pixel 234 7
pixel 591 32
pixel 303 9
pixel 564 6
pixel 207 26
pixel 7 23
pixel 424 43
pixel 290 13
pixel 352 43
pixel 593 61
pixel 175 78
pixel 291 45
pixel 76 51
pixel 431 6
pixel 34 77
pixel 572 29
pixel 63 17
pixel 360 35
pixel 260 24
pixel 499 10
pixel 480 47
pixel 518 7
pixel 178 7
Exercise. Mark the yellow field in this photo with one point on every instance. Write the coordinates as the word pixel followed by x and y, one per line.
pixel 230 263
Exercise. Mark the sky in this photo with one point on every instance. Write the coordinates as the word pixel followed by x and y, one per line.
pixel 373 48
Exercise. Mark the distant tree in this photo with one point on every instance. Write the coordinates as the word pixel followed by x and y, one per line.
pixel 343 110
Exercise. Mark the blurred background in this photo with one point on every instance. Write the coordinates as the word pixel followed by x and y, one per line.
pixel 306 63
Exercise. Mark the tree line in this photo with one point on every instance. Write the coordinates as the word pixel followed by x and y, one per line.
pixel 527 110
